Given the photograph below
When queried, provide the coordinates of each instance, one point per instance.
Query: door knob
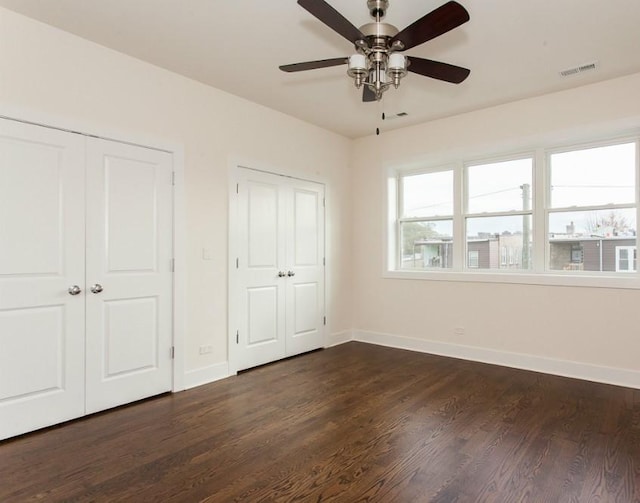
(291, 273)
(281, 274)
(74, 290)
(97, 288)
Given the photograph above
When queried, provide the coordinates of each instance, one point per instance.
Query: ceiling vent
(587, 67)
(396, 116)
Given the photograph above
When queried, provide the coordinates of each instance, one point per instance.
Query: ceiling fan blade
(332, 18)
(312, 65)
(438, 70)
(367, 94)
(439, 21)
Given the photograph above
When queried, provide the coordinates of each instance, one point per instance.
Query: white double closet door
(277, 304)
(85, 275)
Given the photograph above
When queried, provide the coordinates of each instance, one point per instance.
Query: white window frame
(401, 219)
(467, 215)
(570, 209)
(539, 274)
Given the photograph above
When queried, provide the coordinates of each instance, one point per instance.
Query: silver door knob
(97, 288)
(74, 290)
(291, 273)
(281, 274)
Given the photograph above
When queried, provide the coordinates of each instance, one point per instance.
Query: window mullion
(459, 194)
(540, 220)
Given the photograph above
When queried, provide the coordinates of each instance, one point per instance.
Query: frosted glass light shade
(357, 62)
(397, 62)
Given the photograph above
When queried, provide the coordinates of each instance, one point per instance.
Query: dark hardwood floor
(354, 423)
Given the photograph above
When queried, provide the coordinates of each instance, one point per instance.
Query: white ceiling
(514, 48)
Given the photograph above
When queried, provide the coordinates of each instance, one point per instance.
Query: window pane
(587, 240)
(500, 186)
(427, 245)
(500, 242)
(595, 176)
(427, 194)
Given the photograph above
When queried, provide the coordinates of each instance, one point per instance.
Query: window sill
(630, 282)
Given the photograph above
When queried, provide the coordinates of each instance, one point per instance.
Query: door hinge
(324, 261)
(324, 202)
(237, 188)
(172, 265)
(173, 178)
(324, 320)
(172, 352)
(237, 263)
(237, 336)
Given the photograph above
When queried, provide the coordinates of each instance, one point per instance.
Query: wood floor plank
(354, 423)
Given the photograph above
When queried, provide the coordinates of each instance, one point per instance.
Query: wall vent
(579, 69)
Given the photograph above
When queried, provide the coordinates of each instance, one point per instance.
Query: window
(426, 220)
(592, 207)
(626, 258)
(545, 214)
(474, 259)
(499, 215)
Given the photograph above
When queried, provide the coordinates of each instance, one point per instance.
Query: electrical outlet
(458, 331)
(205, 350)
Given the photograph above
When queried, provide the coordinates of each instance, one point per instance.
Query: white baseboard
(339, 338)
(565, 368)
(205, 375)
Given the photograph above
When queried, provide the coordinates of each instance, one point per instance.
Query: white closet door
(261, 263)
(279, 296)
(305, 267)
(41, 257)
(129, 278)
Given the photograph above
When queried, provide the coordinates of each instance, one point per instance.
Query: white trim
(565, 368)
(180, 271)
(21, 114)
(339, 338)
(584, 280)
(206, 375)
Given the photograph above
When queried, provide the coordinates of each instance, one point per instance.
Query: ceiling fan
(377, 63)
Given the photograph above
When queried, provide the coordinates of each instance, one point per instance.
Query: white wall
(593, 327)
(45, 72)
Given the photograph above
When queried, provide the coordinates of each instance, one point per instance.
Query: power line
(470, 197)
(593, 186)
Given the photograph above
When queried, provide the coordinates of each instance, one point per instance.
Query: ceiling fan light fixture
(396, 68)
(358, 69)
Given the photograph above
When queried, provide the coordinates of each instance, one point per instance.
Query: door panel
(261, 329)
(41, 256)
(131, 227)
(306, 232)
(305, 307)
(305, 289)
(36, 335)
(262, 310)
(129, 243)
(131, 336)
(262, 220)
